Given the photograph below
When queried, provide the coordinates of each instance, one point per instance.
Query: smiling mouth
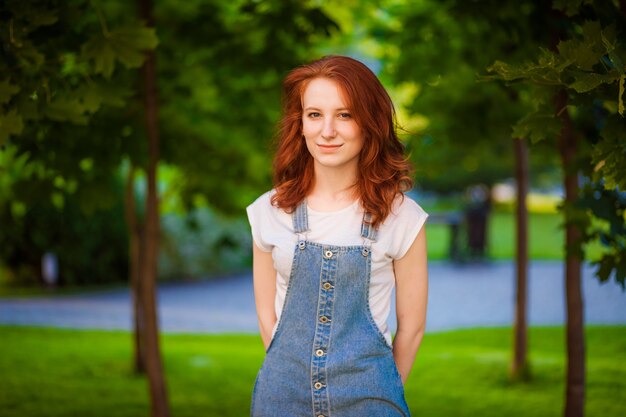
(329, 146)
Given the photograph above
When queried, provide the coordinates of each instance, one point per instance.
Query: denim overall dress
(327, 357)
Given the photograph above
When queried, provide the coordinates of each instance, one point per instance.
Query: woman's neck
(333, 189)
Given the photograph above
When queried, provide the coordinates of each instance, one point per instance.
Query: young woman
(331, 241)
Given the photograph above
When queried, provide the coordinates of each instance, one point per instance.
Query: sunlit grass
(545, 238)
(49, 372)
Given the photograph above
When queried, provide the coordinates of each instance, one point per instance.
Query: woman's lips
(329, 148)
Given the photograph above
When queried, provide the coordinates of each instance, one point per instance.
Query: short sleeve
(258, 211)
(405, 222)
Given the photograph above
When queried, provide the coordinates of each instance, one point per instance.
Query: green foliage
(91, 248)
(59, 109)
(609, 208)
(588, 64)
(125, 44)
(220, 70)
(63, 115)
(70, 111)
(63, 195)
(10, 124)
(63, 62)
(578, 65)
(201, 243)
(7, 91)
(609, 154)
(537, 125)
(440, 48)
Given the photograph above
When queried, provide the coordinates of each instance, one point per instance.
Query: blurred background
(134, 134)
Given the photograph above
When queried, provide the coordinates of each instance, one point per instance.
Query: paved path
(459, 296)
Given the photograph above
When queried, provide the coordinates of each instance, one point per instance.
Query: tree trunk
(135, 257)
(575, 383)
(158, 392)
(520, 369)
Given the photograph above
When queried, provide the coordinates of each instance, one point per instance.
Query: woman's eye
(314, 114)
(345, 115)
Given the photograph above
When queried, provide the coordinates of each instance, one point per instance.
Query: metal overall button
(327, 286)
(365, 252)
(318, 385)
(324, 319)
(301, 245)
(319, 353)
(328, 254)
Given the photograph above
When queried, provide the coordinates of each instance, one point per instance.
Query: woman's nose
(328, 130)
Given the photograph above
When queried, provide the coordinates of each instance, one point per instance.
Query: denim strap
(367, 230)
(300, 219)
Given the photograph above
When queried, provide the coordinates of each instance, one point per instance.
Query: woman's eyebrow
(316, 108)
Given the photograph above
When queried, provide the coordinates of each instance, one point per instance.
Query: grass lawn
(54, 372)
(545, 238)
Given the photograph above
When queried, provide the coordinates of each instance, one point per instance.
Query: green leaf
(98, 49)
(10, 124)
(72, 65)
(587, 51)
(547, 70)
(130, 44)
(605, 267)
(7, 90)
(537, 126)
(126, 44)
(94, 94)
(91, 98)
(587, 81)
(507, 72)
(67, 109)
(609, 154)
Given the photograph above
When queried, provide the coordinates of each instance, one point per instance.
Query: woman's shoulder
(264, 208)
(263, 202)
(406, 207)
(267, 221)
(401, 227)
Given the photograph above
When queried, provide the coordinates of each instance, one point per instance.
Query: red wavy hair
(384, 172)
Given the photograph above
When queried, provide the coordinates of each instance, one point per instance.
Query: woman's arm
(264, 276)
(411, 298)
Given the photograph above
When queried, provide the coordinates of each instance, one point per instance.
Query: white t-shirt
(272, 231)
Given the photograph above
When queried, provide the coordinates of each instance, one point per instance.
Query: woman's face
(332, 136)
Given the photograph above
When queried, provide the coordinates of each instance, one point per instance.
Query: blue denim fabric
(328, 357)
